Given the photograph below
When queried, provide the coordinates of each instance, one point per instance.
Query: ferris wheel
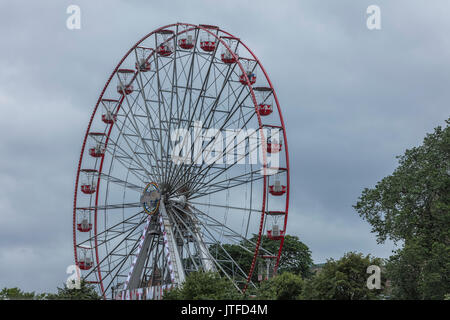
(184, 160)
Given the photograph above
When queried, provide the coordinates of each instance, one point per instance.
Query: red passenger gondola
(229, 55)
(97, 149)
(88, 184)
(187, 40)
(85, 258)
(109, 105)
(264, 100)
(126, 76)
(143, 59)
(165, 42)
(277, 189)
(207, 41)
(275, 233)
(83, 220)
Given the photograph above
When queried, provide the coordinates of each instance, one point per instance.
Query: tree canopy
(344, 279)
(295, 257)
(85, 292)
(204, 286)
(17, 294)
(285, 286)
(412, 206)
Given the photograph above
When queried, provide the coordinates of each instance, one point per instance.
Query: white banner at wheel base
(149, 293)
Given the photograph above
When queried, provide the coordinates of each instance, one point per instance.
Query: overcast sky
(352, 100)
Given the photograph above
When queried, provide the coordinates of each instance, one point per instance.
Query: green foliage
(204, 286)
(344, 279)
(413, 206)
(86, 292)
(295, 257)
(237, 252)
(286, 286)
(17, 294)
(418, 272)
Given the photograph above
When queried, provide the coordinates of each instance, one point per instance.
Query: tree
(86, 292)
(204, 286)
(17, 294)
(344, 279)
(285, 286)
(412, 206)
(295, 257)
(243, 257)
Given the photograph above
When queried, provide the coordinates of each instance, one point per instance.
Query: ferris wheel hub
(182, 200)
(150, 198)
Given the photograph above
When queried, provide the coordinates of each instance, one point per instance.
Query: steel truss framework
(166, 81)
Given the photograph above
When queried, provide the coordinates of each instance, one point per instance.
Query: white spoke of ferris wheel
(187, 88)
(174, 86)
(192, 169)
(121, 182)
(145, 146)
(173, 170)
(199, 184)
(206, 258)
(120, 266)
(200, 95)
(170, 242)
(155, 256)
(238, 104)
(211, 184)
(136, 158)
(159, 128)
(115, 206)
(207, 233)
(131, 230)
(223, 206)
(149, 118)
(223, 86)
(160, 105)
(123, 258)
(120, 233)
(206, 229)
(189, 77)
(212, 111)
(111, 229)
(212, 187)
(148, 151)
(235, 107)
(226, 83)
(225, 151)
(179, 220)
(174, 215)
(233, 234)
(125, 155)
